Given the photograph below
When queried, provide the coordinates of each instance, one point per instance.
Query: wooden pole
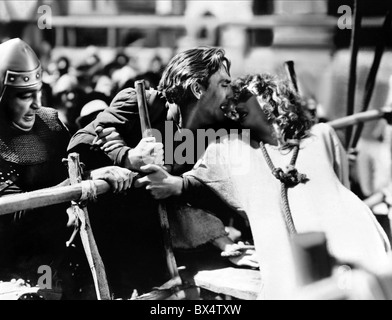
(292, 75)
(162, 209)
(86, 234)
(371, 81)
(358, 118)
(353, 66)
(47, 197)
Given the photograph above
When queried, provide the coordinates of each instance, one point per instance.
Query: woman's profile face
(21, 107)
(251, 114)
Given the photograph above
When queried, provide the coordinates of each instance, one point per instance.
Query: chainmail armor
(34, 147)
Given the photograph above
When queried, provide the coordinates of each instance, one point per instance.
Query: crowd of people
(69, 85)
(280, 173)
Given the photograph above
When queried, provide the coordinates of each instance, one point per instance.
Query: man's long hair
(189, 67)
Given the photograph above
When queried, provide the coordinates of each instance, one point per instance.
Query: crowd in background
(79, 92)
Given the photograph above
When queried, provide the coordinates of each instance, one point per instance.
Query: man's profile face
(218, 94)
(21, 107)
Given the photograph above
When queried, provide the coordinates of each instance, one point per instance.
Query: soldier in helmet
(33, 142)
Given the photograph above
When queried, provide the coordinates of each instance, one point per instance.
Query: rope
(289, 179)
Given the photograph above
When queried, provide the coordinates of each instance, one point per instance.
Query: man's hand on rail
(119, 179)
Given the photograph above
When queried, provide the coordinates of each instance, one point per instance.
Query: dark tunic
(30, 161)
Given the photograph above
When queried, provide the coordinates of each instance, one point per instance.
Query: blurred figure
(154, 75)
(120, 61)
(69, 100)
(63, 64)
(65, 83)
(106, 86)
(89, 112)
(122, 76)
(88, 69)
(374, 166)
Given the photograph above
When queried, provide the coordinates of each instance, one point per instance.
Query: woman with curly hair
(289, 177)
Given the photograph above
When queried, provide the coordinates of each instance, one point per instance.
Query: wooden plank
(358, 118)
(46, 197)
(243, 284)
(151, 21)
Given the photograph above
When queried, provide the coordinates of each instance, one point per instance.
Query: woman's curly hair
(280, 103)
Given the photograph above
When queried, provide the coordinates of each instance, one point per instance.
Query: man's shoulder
(127, 98)
(47, 112)
(50, 117)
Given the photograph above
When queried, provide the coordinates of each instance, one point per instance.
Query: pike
(372, 78)
(292, 75)
(355, 39)
(162, 210)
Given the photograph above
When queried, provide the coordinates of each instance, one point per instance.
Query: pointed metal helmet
(19, 66)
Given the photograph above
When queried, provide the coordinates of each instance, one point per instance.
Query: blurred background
(97, 47)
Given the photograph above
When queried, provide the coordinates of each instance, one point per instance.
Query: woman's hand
(119, 179)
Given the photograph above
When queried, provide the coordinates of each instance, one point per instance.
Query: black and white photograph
(211, 153)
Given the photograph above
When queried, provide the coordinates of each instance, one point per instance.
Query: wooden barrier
(47, 197)
(362, 117)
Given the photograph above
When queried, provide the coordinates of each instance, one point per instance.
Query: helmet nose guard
(19, 66)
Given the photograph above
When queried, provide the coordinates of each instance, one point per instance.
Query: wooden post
(147, 132)
(372, 79)
(86, 234)
(353, 66)
(292, 75)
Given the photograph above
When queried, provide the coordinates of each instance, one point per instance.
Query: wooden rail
(47, 197)
(361, 118)
(153, 22)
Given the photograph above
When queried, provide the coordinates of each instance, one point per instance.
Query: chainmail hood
(34, 147)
